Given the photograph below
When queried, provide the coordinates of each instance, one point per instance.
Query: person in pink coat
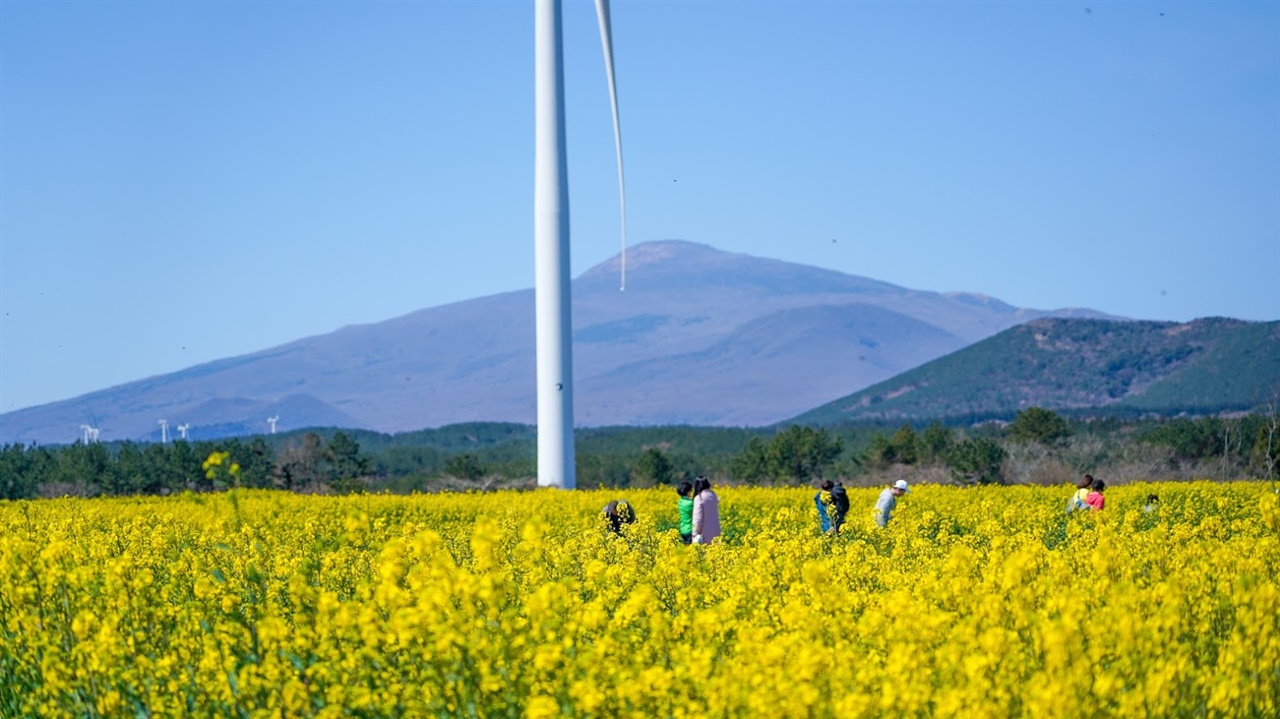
(706, 512)
(1096, 500)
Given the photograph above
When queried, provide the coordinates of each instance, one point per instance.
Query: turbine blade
(606, 41)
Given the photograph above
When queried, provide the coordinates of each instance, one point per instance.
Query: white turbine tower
(86, 430)
(164, 431)
(551, 239)
(272, 421)
(93, 433)
(182, 430)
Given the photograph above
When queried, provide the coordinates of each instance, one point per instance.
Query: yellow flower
(979, 602)
(541, 707)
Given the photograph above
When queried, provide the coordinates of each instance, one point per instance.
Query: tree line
(1038, 445)
(309, 464)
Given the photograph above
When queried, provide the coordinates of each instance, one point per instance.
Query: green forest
(1038, 446)
(1085, 368)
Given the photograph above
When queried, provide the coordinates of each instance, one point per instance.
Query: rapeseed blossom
(974, 602)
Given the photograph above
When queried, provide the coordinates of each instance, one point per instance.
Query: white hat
(901, 484)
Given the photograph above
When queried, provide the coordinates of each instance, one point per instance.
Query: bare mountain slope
(699, 336)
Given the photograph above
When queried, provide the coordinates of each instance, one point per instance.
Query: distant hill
(700, 336)
(1127, 367)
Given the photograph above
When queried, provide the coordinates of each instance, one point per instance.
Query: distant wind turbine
(164, 431)
(551, 239)
(86, 430)
(272, 421)
(182, 430)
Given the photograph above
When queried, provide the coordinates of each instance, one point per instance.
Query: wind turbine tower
(86, 430)
(164, 431)
(272, 421)
(182, 430)
(551, 240)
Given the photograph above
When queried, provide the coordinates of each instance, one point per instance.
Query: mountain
(1204, 366)
(699, 336)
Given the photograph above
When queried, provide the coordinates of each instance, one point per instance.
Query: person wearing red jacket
(1095, 500)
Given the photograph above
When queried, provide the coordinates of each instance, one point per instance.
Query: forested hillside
(1093, 367)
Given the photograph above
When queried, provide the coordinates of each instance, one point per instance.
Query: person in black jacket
(833, 506)
(839, 506)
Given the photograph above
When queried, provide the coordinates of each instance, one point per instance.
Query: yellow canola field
(983, 602)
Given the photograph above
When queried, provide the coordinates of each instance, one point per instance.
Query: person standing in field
(888, 502)
(839, 508)
(1095, 500)
(684, 507)
(706, 512)
(1083, 487)
(823, 500)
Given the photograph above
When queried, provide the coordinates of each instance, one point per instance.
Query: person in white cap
(889, 501)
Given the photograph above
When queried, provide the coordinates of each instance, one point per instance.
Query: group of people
(832, 502)
(1088, 495)
(698, 507)
(833, 506)
(699, 510)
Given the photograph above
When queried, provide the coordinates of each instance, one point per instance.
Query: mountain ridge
(473, 360)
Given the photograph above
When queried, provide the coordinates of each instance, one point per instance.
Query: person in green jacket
(685, 507)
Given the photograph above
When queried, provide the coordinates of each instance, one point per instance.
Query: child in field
(684, 506)
(1095, 500)
(1153, 503)
(1083, 487)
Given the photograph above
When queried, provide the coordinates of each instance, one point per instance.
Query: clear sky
(185, 181)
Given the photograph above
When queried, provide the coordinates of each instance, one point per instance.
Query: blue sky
(184, 181)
